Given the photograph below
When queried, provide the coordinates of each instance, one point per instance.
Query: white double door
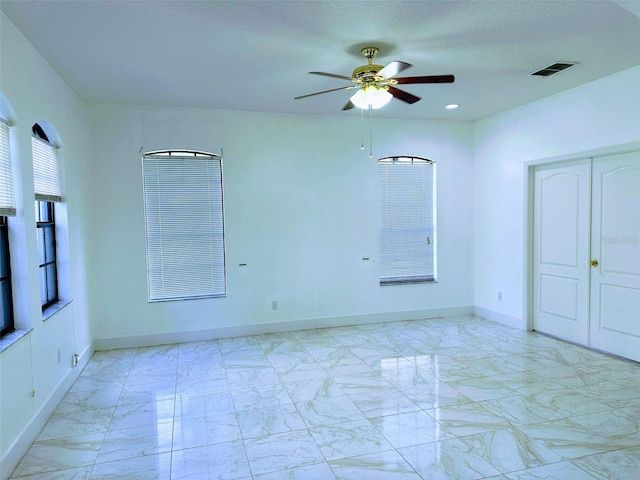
(586, 252)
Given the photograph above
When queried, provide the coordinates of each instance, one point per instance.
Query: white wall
(599, 116)
(300, 211)
(32, 92)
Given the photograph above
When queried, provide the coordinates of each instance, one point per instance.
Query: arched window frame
(184, 225)
(46, 174)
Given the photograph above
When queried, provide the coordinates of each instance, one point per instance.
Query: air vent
(552, 69)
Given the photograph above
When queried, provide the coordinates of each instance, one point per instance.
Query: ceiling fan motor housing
(366, 74)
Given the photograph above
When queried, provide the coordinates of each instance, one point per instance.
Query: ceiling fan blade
(326, 91)
(333, 75)
(402, 95)
(348, 106)
(393, 69)
(426, 79)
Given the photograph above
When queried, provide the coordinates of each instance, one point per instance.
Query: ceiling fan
(375, 83)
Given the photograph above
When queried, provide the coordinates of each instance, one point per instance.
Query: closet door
(615, 246)
(561, 250)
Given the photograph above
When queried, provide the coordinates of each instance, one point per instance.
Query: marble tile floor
(455, 398)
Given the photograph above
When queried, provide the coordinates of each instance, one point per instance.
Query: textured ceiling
(255, 56)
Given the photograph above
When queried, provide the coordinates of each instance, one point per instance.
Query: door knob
(594, 263)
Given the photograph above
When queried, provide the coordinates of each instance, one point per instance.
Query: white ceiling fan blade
(393, 69)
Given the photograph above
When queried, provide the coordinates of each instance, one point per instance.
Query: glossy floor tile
(438, 399)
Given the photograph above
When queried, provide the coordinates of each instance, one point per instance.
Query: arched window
(46, 179)
(184, 225)
(46, 171)
(407, 217)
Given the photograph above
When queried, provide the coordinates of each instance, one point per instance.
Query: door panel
(619, 307)
(615, 243)
(561, 250)
(558, 296)
(559, 221)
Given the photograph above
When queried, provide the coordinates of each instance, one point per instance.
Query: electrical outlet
(499, 296)
(274, 305)
(59, 355)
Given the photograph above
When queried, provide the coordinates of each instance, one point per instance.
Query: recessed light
(451, 106)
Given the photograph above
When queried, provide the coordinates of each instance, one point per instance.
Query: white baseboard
(273, 327)
(20, 446)
(502, 318)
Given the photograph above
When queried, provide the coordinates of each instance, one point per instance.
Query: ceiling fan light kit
(371, 96)
(376, 84)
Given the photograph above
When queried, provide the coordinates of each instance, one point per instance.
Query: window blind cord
(33, 385)
(73, 336)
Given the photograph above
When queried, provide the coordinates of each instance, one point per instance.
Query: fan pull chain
(370, 132)
(361, 129)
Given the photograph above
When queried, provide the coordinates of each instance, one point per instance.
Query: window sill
(406, 281)
(10, 338)
(51, 310)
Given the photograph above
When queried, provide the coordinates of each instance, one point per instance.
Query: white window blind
(184, 225)
(46, 173)
(7, 198)
(406, 220)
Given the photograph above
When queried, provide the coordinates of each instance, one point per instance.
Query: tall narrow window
(407, 220)
(184, 225)
(7, 208)
(6, 309)
(45, 222)
(46, 180)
